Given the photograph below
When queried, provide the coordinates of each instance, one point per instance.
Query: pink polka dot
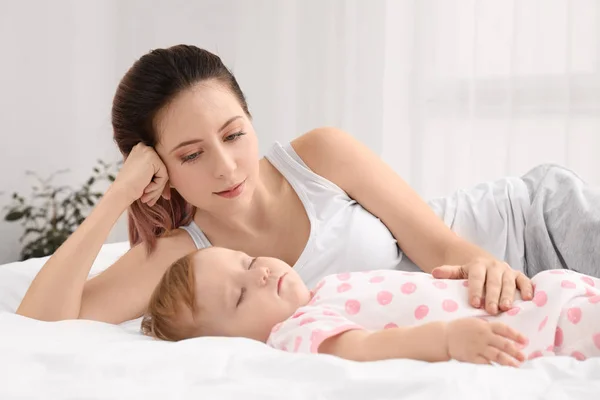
(344, 276)
(594, 299)
(465, 283)
(588, 280)
(543, 323)
(352, 307)
(589, 292)
(574, 315)
(540, 298)
(596, 340)
(284, 347)
(384, 297)
(557, 271)
(449, 305)
(316, 337)
(306, 321)
(535, 354)
(297, 343)
(316, 334)
(578, 355)
(344, 287)
(376, 279)
(558, 337)
(568, 284)
(408, 288)
(421, 311)
(514, 311)
(276, 328)
(390, 325)
(313, 300)
(440, 285)
(329, 313)
(298, 314)
(550, 348)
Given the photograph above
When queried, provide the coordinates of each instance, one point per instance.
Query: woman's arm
(56, 291)
(421, 234)
(466, 339)
(423, 237)
(61, 291)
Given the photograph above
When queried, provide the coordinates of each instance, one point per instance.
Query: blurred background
(448, 92)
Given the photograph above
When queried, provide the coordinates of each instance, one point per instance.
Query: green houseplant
(52, 213)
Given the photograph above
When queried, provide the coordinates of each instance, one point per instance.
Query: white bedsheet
(92, 360)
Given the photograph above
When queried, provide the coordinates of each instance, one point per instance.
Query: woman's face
(209, 147)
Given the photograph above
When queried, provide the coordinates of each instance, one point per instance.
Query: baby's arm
(467, 339)
(315, 329)
(425, 342)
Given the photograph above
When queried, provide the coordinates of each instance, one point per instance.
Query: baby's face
(242, 296)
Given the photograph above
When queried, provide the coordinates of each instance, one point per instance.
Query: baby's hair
(174, 296)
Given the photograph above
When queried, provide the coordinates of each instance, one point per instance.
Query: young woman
(323, 203)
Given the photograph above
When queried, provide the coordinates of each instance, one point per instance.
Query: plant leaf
(14, 215)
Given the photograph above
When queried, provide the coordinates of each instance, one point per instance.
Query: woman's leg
(562, 228)
(549, 218)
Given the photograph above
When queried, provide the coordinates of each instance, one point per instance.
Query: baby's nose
(263, 275)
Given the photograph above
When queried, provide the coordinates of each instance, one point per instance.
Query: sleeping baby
(373, 315)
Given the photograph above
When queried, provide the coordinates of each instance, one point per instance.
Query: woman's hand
(480, 342)
(491, 282)
(143, 176)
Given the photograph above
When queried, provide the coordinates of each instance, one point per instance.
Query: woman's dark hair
(151, 84)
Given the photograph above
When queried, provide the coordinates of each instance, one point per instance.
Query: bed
(92, 360)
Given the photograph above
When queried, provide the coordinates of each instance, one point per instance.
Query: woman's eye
(234, 136)
(191, 157)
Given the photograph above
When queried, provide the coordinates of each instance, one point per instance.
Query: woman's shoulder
(321, 144)
(176, 240)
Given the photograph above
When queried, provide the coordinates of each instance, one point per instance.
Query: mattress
(93, 360)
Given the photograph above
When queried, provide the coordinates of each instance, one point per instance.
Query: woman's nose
(224, 164)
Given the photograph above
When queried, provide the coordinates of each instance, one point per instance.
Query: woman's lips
(233, 191)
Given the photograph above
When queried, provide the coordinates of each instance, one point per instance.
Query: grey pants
(546, 219)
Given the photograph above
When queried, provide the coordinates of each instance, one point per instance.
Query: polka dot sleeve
(308, 328)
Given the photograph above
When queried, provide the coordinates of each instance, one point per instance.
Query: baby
(371, 315)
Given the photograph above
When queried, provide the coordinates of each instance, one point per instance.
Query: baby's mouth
(279, 282)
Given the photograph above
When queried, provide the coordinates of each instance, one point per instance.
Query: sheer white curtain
(449, 92)
(493, 88)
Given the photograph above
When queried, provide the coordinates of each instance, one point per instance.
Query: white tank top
(344, 237)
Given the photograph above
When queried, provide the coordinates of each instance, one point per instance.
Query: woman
(191, 179)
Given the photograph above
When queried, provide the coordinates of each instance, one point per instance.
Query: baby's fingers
(506, 331)
(494, 354)
(480, 360)
(507, 347)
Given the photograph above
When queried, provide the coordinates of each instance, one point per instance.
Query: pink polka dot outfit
(562, 319)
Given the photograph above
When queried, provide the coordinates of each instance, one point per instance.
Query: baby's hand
(480, 342)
